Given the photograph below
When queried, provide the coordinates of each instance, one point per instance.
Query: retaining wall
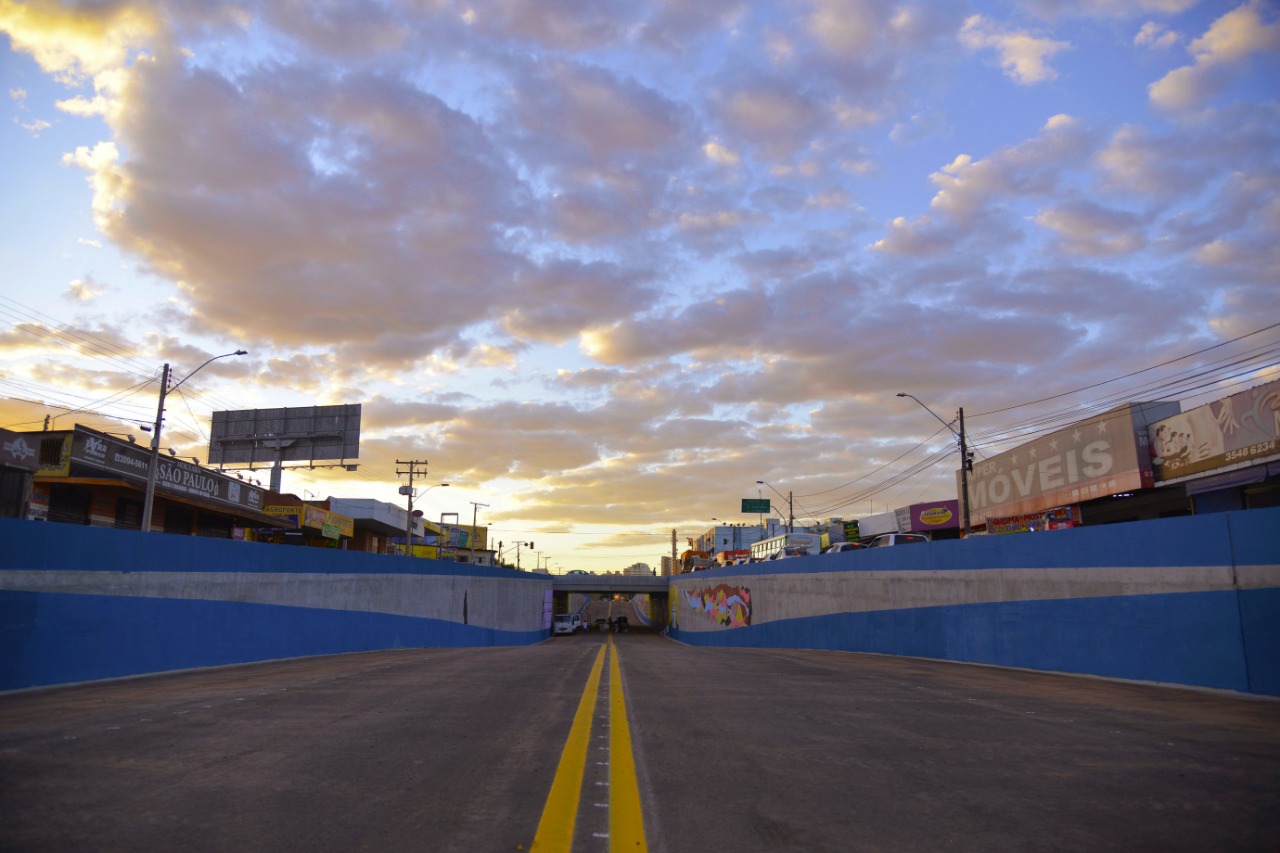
(84, 603)
(1191, 601)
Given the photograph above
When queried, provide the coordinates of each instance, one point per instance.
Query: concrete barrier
(85, 603)
(1191, 601)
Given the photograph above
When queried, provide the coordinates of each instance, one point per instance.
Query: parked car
(566, 623)
(837, 547)
(884, 540)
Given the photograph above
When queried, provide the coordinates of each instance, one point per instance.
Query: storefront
(305, 524)
(17, 470)
(1224, 454)
(938, 519)
(88, 477)
(1096, 471)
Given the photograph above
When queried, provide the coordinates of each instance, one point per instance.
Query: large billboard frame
(308, 434)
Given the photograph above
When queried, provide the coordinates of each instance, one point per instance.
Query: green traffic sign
(755, 505)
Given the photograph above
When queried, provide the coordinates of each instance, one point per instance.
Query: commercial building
(84, 476)
(1224, 455)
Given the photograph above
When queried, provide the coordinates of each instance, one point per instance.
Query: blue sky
(607, 265)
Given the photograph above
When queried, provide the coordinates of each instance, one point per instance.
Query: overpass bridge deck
(609, 584)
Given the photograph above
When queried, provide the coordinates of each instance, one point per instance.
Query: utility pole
(674, 571)
(791, 514)
(966, 465)
(474, 507)
(148, 500)
(408, 491)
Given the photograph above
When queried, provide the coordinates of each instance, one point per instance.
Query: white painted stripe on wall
(794, 596)
(491, 602)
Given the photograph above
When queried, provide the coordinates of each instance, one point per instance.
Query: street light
(520, 545)
(408, 525)
(966, 458)
(148, 502)
(791, 513)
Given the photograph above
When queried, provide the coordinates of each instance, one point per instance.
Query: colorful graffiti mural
(725, 605)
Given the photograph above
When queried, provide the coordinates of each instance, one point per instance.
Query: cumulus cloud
(77, 42)
(1229, 41)
(1156, 35)
(843, 27)
(1089, 229)
(1023, 56)
(775, 118)
(84, 289)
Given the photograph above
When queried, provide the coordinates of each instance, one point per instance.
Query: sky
(606, 265)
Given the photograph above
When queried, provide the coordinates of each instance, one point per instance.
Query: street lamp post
(520, 545)
(474, 508)
(408, 527)
(791, 513)
(148, 502)
(966, 462)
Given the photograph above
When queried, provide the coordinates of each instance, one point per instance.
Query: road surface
(730, 749)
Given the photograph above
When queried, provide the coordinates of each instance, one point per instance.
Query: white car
(566, 623)
(837, 547)
(884, 540)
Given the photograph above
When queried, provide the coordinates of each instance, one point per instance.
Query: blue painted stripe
(53, 638)
(50, 546)
(1183, 638)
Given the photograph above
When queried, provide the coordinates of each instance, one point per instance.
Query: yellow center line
(555, 828)
(626, 821)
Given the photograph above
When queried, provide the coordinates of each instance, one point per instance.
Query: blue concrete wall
(82, 603)
(1191, 601)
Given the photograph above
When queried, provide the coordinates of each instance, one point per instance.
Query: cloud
(1156, 35)
(85, 289)
(81, 41)
(1091, 230)
(1107, 9)
(1023, 56)
(1229, 41)
(843, 27)
(772, 117)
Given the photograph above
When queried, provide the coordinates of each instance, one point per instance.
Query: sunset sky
(607, 264)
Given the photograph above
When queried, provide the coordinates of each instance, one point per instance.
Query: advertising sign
(296, 434)
(936, 515)
(1058, 518)
(18, 450)
(1104, 455)
(173, 476)
(1244, 427)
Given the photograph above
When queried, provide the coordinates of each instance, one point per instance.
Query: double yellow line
(626, 822)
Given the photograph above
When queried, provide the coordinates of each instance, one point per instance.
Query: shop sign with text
(1104, 455)
(1242, 428)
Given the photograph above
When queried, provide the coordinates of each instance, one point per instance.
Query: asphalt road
(734, 750)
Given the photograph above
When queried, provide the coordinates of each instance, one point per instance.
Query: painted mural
(729, 606)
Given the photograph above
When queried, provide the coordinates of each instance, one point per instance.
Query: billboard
(1242, 428)
(1103, 455)
(299, 434)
